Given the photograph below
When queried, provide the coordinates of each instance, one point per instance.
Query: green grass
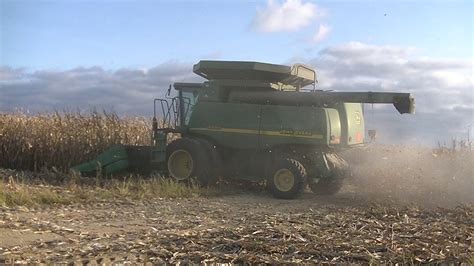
(15, 192)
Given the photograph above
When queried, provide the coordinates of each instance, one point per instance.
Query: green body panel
(116, 167)
(119, 158)
(112, 160)
(158, 153)
(297, 75)
(281, 125)
(232, 125)
(353, 125)
(403, 102)
(333, 131)
(253, 126)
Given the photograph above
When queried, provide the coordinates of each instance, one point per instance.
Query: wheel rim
(180, 164)
(284, 180)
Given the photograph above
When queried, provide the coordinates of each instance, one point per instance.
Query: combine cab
(253, 121)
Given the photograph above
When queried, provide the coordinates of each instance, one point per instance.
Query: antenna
(469, 132)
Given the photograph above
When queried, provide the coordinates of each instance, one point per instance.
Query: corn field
(64, 139)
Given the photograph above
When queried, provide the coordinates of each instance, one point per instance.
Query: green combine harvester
(253, 121)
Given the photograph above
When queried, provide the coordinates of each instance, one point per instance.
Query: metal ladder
(170, 111)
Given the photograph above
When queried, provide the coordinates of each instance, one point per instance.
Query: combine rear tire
(187, 159)
(326, 186)
(286, 178)
(332, 183)
(213, 162)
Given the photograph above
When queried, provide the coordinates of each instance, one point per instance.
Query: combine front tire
(186, 159)
(286, 178)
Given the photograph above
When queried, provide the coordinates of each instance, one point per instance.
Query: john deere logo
(357, 118)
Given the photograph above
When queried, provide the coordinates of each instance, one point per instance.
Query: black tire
(214, 164)
(326, 186)
(286, 169)
(186, 159)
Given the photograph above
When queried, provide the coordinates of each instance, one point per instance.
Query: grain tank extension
(254, 121)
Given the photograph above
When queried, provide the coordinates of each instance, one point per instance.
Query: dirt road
(242, 227)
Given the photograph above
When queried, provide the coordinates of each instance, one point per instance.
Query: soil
(400, 206)
(242, 227)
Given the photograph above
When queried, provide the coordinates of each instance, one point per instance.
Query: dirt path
(245, 227)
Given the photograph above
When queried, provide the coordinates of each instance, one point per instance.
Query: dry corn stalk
(64, 139)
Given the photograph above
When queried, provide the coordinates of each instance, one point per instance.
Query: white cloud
(443, 88)
(356, 51)
(290, 15)
(452, 79)
(214, 55)
(322, 33)
(127, 91)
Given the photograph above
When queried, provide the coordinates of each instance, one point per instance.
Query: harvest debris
(237, 228)
(386, 213)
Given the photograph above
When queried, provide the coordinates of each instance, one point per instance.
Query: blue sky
(121, 54)
(115, 34)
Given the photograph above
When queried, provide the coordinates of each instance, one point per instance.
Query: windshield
(188, 101)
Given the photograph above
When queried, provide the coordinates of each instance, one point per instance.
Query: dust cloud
(411, 175)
